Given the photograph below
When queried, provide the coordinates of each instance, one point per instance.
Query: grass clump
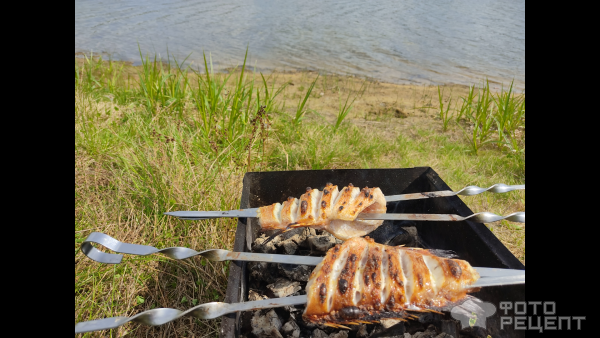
(488, 118)
(162, 137)
(300, 108)
(444, 114)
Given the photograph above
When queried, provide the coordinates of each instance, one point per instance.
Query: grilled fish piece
(361, 280)
(331, 210)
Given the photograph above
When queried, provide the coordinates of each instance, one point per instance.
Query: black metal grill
(473, 242)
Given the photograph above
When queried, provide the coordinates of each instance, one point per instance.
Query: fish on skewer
(218, 255)
(361, 280)
(331, 210)
(347, 213)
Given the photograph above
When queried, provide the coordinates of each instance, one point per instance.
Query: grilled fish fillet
(365, 281)
(331, 210)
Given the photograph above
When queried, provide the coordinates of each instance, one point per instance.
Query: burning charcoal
(263, 271)
(392, 327)
(267, 325)
(291, 329)
(362, 331)
(319, 334)
(450, 327)
(429, 317)
(308, 233)
(291, 311)
(283, 288)
(431, 332)
(296, 272)
(444, 335)
(393, 234)
(376, 331)
(475, 332)
(267, 248)
(253, 295)
(289, 246)
(320, 244)
(297, 235)
(307, 326)
(341, 334)
(283, 314)
(414, 326)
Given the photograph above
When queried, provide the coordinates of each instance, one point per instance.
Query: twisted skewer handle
(488, 217)
(180, 253)
(203, 311)
(133, 249)
(480, 217)
(466, 191)
(496, 188)
(216, 309)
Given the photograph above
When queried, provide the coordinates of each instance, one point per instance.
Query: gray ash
(272, 280)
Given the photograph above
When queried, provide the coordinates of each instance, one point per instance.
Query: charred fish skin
(329, 196)
(309, 203)
(270, 216)
(289, 212)
(361, 280)
(332, 210)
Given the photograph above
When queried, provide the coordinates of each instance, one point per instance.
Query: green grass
(445, 116)
(160, 137)
(300, 111)
(344, 110)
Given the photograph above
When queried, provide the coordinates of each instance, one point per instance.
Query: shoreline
(380, 100)
(495, 85)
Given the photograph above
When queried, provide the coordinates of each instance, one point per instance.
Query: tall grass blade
(300, 109)
(345, 110)
(444, 115)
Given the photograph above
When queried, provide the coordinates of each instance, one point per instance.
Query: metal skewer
(221, 255)
(480, 217)
(203, 311)
(216, 309)
(179, 252)
(489, 277)
(466, 191)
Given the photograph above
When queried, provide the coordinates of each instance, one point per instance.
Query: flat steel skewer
(218, 255)
(466, 191)
(489, 277)
(216, 309)
(480, 217)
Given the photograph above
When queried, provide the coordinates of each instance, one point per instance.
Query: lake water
(425, 42)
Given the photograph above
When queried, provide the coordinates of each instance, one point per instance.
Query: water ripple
(460, 41)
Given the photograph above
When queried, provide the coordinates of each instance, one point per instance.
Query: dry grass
(108, 201)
